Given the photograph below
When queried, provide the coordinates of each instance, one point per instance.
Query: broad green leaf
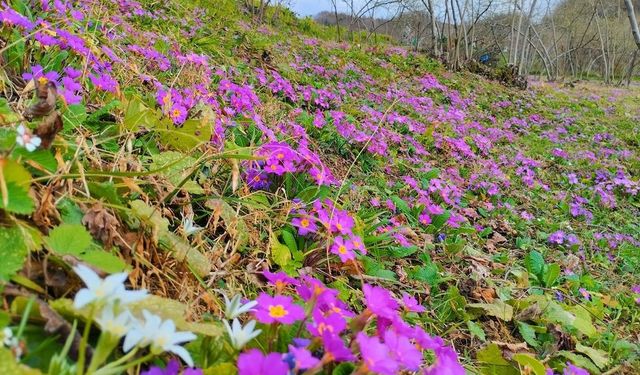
(401, 204)
(476, 330)
(18, 200)
(529, 362)
(226, 368)
(583, 321)
(280, 253)
(138, 116)
(498, 309)
(178, 167)
(551, 273)
(9, 365)
(427, 274)
(7, 115)
(534, 262)
(289, 240)
(74, 116)
(186, 137)
(374, 268)
(104, 260)
(599, 357)
(439, 220)
(69, 239)
(13, 251)
(41, 157)
(493, 363)
(345, 368)
(528, 334)
(15, 172)
(171, 309)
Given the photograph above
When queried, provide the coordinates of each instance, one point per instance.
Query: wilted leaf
(280, 253)
(599, 357)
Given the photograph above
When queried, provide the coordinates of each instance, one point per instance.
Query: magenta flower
(556, 237)
(333, 323)
(401, 348)
(280, 309)
(357, 244)
(104, 82)
(446, 363)
(380, 302)
(254, 362)
(305, 225)
(178, 114)
(341, 222)
(585, 293)
(173, 368)
(10, 17)
(424, 218)
(411, 304)
(343, 249)
(574, 370)
(375, 355)
(335, 349)
(303, 358)
(279, 279)
(37, 74)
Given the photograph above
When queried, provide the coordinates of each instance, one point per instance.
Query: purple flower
(574, 370)
(380, 302)
(305, 225)
(376, 356)
(104, 82)
(303, 358)
(343, 249)
(335, 349)
(585, 293)
(424, 218)
(279, 279)
(280, 309)
(556, 237)
(254, 362)
(446, 363)
(173, 368)
(10, 17)
(357, 244)
(178, 114)
(411, 304)
(403, 350)
(37, 74)
(341, 222)
(333, 323)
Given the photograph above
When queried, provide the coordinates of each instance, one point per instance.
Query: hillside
(370, 211)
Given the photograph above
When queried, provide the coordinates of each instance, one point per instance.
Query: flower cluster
(107, 301)
(377, 340)
(325, 222)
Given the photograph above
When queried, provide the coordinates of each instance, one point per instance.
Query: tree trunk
(632, 20)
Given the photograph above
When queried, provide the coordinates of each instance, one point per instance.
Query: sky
(313, 7)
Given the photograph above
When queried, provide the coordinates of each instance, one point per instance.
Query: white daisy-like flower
(107, 290)
(116, 325)
(234, 308)
(26, 139)
(188, 226)
(240, 336)
(160, 335)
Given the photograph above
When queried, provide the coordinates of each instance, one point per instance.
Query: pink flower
(403, 350)
(303, 358)
(335, 349)
(279, 279)
(305, 225)
(411, 304)
(376, 355)
(446, 363)
(357, 244)
(343, 249)
(280, 309)
(254, 362)
(332, 323)
(380, 301)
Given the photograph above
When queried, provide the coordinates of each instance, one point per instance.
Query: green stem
(119, 361)
(107, 370)
(82, 351)
(106, 344)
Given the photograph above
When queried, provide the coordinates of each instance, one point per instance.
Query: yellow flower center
(273, 167)
(304, 223)
(342, 249)
(256, 178)
(323, 327)
(43, 80)
(176, 112)
(277, 311)
(356, 244)
(280, 155)
(339, 226)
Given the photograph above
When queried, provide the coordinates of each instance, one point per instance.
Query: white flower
(188, 226)
(107, 290)
(234, 308)
(239, 335)
(7, 337)
(161, 336)
(26, 139)
(117, 326)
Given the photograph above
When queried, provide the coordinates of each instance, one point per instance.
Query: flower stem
(82, 351)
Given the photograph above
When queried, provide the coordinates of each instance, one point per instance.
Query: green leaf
(74, 116)
(290, 240)
(498, 309)
(104, 261)
(171, 309)
(534, 262)
(476, 330)
(44, 158)
(69, 239)
(225, 368)
(138, 116)
(374, 268)
(551, 273)
(9, 365)
(191, 134)
(13, 251)
(530, 362)
(439, 220)
(528, 334)
(280, 253)
(401, 204)
(178, 167)
(18, 200)
(402, 251)
(493, 362)
(427, 274)
(344, 368)
(599, 357)
(583, 321)
(7, 115)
